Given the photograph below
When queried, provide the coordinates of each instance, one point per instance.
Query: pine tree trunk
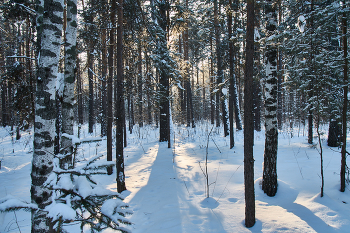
(232, 89)
(345, 104)
(211, 74)
(163, 74)
(69, 81)
(248, 121)
(104, 85)
(79, 93)
(4, 116)
(91, 87)
(312, 67)
(120, 103)
(49, 37)
(219, 95)
(257, 104)
(140, 82)
(110, 86)
(269, 184)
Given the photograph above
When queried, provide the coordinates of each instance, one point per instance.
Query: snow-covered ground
(167, 187)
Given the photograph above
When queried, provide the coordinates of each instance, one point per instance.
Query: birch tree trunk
(49, 37)
(69, 81)
(269, 184)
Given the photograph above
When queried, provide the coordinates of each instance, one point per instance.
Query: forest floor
(167, 187)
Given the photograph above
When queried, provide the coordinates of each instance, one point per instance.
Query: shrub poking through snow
(78, 198)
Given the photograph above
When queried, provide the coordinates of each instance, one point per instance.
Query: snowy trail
(158, 199)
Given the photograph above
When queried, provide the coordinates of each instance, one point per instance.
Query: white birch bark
(50, 18)
(69, 82)
(271, 135)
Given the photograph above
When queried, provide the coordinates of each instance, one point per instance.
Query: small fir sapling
(78, 198)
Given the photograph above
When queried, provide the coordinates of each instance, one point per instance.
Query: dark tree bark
(345, 104)
(140, 82)
(3, 104)
(148, 90)
(312, 69)
(120, 116)
(232, 76)
(248, 121)
(91, 87)
(211, 74)
(257, 102)
(104, 85)
(80, 94)
(219, 78)
(110, 86)
(334, 135)
(269, 182)
(163, 73)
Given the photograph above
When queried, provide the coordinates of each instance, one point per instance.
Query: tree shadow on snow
(285, 198)
(155, 205)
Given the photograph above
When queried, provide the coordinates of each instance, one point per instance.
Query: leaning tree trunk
(69, 82)
(49, 37)
(120, 103)
(269, 183)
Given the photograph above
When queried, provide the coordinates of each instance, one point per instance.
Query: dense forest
(241, 65)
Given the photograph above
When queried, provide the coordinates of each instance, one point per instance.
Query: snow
(301, 23)
(57, 210)
(167, 196)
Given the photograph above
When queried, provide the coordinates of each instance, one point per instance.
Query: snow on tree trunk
(269, 184)
(69, 82)
(162, 52)
(50, 18)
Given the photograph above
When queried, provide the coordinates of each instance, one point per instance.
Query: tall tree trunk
(232, 75)
(140, 82)
(345, 104)
(219, 94)
(79, 94)
(211, 74)
(104, 85)
(148, 89)
(163, 73)
(279, 76)
(120, 102)
(69, 82)
(248, 121)
(49, 37)
(91, 87)
(269, 183)
(110, 86)
(4, 111)
(312, 68)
